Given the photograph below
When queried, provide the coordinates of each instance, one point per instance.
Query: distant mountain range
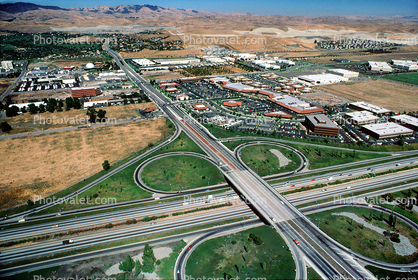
(22, 10)
(29, 17)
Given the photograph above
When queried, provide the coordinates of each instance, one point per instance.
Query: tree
(127, 265)
(23, 110)
(30, 202)
(33, 109)
(1, 106)
(148, 259)
(12, 111)
(91, 112)
(42, 108)
(76, 103)
(60, 103)
(5, 127)
(101, 115)
(138, 267)
(106, 165)
(69, 102)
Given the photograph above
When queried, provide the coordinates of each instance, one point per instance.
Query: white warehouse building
(378, 66)
(344, 73)
(322, 79)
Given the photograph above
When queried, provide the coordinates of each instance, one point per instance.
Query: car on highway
(154, 223)
(190, 247)
(313, 179)
(398, 164)
(68, 241)
(296, 242)
(348, 188)
(292, 186)
(21, 221)
(55, 226)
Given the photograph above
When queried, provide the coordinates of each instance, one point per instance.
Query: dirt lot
(57, 94)
(394, 96)
(45, 164)
(156, 53)
(358, 56)
(29, 123)
(325, 98)
(161, 75)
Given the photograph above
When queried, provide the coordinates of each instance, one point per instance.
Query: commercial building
(322, 79)
(85, 92)
(406, 120)
(182, 97)
(176, 61)
(321, 125)
(94, 104)
(232, 103)
(295, 105)
(377, 110)
(7, 64)
(200, 106)
(143, 62)
(344, 73)
(286, 62)
(245, 56)
(378, 66)
(409, 65)
(279, 114)
(25, 105)
(386, 130)
(361, 117)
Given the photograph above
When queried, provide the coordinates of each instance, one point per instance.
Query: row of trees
(51, 106)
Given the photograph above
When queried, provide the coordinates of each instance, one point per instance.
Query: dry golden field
(4, 85)
(394, 96)
(45, 164)
(29, 123)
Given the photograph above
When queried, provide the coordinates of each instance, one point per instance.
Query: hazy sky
(265, 7)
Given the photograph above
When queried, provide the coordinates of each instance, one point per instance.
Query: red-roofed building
(171, 89)
(168, 85)
(278, 114)
(200, 106)
(232, 103)
(150, 109)
(190, 79)
(85, 92)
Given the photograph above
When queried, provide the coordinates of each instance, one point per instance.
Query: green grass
(44, 273)
(400, 196)
(318, 156)
(121, 185)
(313, 275)
(181, 172)
(166, 268)
(391, 275)
(365, 241)
(408, 78)
(264, 162)
(323, 157)
(224, 254)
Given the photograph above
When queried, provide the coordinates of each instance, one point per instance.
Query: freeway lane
(52, 247)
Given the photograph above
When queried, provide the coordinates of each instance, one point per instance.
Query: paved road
(15, 82)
